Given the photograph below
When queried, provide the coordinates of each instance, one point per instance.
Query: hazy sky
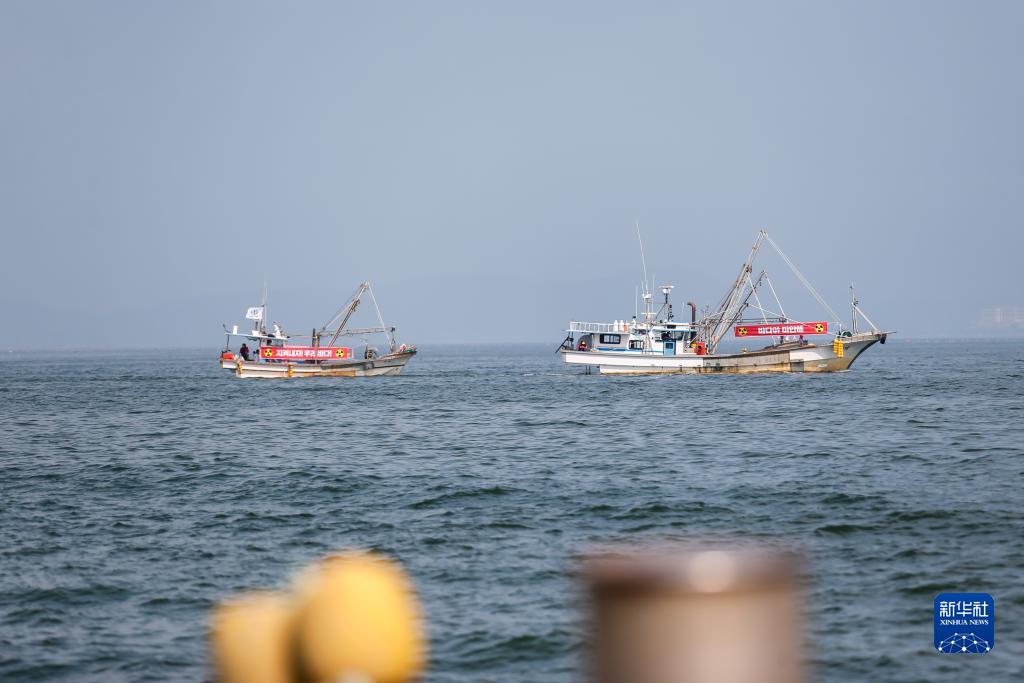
(484, 164)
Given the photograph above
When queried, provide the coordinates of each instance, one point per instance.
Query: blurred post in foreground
(688, 614)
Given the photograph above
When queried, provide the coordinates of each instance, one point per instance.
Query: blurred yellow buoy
(358, 619)
(250, 637)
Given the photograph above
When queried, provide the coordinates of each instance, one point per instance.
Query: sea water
(139, 488)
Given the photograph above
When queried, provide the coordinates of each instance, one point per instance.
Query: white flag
(255, 313)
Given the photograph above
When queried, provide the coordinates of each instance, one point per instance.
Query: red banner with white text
(780, 329)
(305, 352)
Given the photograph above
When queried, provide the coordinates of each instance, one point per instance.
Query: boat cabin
(661, 338)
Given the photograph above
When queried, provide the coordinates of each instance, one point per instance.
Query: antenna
(263, 323)
(643, 260)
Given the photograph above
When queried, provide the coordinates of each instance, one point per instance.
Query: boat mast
(858, 312)
(853, 309)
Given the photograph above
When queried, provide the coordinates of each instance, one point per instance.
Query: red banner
(305, 352)
(780, 329)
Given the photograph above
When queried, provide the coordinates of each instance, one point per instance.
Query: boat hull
(387, 365)
(787, 358)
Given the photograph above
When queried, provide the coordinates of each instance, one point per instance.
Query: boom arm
(345, 313)
(730, 308)
(731, 320)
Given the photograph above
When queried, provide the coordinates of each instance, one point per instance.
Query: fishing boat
(654, 342)
(275, 354)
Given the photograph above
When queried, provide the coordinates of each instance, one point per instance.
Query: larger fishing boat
(654, 342)
(275, 354)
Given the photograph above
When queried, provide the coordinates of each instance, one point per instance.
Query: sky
(484, 165)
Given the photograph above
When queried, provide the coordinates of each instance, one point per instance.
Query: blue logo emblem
(965, 623)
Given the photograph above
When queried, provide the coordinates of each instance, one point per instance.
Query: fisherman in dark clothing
(244, 351)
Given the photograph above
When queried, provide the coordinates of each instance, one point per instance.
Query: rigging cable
(803, 280)
(772, 287)
(380, 318)
(753, 290)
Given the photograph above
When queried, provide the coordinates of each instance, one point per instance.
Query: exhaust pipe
(693, 320)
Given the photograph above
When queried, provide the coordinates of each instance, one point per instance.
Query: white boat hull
(389, 364)
(786, 358)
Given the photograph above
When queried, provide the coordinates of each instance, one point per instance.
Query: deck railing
(575, 326)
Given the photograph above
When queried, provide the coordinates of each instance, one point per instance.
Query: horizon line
(198, 347)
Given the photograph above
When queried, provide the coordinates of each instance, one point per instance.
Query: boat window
(611, 339)
(636, 344)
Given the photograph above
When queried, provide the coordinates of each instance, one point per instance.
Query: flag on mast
(255, 313)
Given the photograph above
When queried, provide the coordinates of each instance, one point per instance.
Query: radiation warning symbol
(819, 327)
(741, 331)
(268, 353)
(340, 353)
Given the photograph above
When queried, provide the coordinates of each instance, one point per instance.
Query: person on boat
(244, 351)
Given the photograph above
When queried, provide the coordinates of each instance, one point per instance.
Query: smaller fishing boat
(274, 353)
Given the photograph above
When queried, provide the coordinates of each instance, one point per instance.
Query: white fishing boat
(275, 354)
(654, 342)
